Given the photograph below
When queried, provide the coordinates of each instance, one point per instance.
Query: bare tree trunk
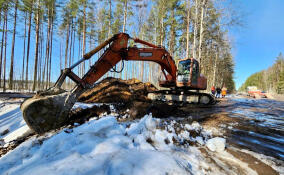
(215, 66)
(195, 29)
(45, 67)
(24, 50)
(66, 45)
(90, 47)
(36, 47)
(187, 29)
(13, 49)
(84, 36)
(124, 16)
(124, 25)
(5, 52)
(28, 48)
(71, 42)
(201, 31)
(73, 46)
(40, 56)
(162, 30)
(50, 57)
(70, 48)
(51, 44)
(79, 51)
(2, 45)
(109, 21)
(172, 35)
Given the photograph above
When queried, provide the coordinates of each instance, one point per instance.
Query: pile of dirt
(115, 90)
(129, 97)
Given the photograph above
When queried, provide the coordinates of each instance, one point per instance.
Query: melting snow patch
(22, 131)
(85, 105)
(216, 144)
(12, 124)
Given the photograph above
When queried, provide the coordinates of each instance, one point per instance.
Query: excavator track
(182, 97)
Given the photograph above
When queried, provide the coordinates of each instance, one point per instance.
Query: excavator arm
(49, 109)
(117, 51)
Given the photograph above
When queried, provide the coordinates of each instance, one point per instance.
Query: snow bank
(97, 147)
(216, 144)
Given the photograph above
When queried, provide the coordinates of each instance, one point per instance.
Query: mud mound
(115, 90)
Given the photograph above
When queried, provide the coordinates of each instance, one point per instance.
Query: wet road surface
(261, 125)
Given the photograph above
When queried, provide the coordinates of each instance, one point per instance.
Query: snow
(85, 105)
(12, 124)
(200, 140)
(194, 126)
(99, 146)
(105, 146)
(216, 144)
(24, 130)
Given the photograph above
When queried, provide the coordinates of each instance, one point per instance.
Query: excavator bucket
(48, 111)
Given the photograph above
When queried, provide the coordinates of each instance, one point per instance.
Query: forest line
(186, 28)
(270, 80)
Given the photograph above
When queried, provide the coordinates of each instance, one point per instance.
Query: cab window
(184, 67)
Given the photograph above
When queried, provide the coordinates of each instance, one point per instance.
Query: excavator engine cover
(46, 112)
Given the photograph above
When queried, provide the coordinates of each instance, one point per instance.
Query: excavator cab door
(195, 72)
(185, 76)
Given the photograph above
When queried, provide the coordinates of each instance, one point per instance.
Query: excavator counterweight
(49, 109)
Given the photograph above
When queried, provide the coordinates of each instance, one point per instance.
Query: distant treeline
(54, 34)
(271, 80)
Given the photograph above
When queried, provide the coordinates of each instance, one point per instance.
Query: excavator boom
(49, 109)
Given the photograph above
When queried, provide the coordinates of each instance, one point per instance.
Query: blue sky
(260, 41)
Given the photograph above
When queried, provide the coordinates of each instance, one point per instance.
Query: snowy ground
(106, 146)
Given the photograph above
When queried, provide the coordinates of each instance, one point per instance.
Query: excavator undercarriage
(182, 97)
(49, 109)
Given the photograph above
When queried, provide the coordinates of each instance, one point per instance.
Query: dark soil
(131, 96)
(80, 116)
(12, 145)
(113, 90)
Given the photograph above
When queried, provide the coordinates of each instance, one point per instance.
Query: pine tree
(37, 21)
(280, 84)
(11, 78)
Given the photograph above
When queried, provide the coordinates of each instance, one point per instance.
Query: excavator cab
(188, 75)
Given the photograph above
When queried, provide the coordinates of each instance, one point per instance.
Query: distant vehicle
(254, 92)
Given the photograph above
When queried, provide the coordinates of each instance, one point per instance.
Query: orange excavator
(49, 109)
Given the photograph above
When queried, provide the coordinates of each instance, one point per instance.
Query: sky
(259, 42)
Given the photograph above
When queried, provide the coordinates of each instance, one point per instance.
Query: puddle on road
(261, 128)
